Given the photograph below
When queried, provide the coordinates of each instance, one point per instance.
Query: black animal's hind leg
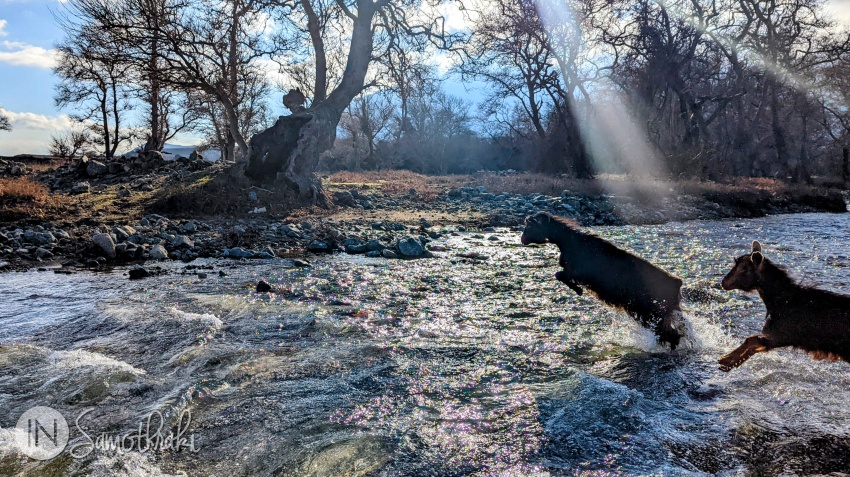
(561, 276)
(752, 345)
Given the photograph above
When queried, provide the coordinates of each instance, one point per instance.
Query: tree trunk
(289, 151)
(845, 152)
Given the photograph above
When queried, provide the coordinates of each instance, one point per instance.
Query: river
(476, 365)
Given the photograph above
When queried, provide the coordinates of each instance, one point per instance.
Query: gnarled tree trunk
(288, 152)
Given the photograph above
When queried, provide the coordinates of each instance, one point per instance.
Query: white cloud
(3, 27)
(22, 54)
(840, 10)
(31, 132)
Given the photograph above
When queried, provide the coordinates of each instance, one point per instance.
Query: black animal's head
(747, 272)
(537, 228)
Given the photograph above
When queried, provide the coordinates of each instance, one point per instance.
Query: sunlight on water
(452, 366)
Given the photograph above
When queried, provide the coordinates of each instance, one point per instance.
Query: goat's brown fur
(816, 321)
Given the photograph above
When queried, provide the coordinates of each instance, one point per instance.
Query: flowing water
(452, 366)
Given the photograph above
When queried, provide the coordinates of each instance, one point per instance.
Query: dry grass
(24, 199)
(394, 182)
(401, 182)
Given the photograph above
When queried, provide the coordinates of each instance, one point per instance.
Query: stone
(189, 227)
(252, 196)
(182, 241)
(238, 252)
(344, 199)
(81, 188)
(373, 253)
(42, 253)
(105, 243)
(39, 238)
(123, 193)
(123, 232)
(222, 273)
(202, 275)
(374, 245)
(139, 273)
(318, 246)
(387, 253)
(301, 263)
(409, 247)
(96, 168)
(263, 287)
(158, 252)
(356, 248)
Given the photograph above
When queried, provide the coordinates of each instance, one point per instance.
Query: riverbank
(91, 215)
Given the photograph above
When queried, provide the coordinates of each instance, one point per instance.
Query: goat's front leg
(752, 345)
(561, 276)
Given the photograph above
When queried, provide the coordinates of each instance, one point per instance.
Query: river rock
(387, 253)
(105, 243)
(409, 247)
(263, 287)
(344, 199)
(301, 263)
(238, 252)
(123, 232)
(158, 252)
(39, 238)
(42, 253)
(96, 168)
(374, 246)
(139, 273)
(182, 241)
(318, 246)
(81, 188)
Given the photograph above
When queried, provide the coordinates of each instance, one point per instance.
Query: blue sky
(27, 35)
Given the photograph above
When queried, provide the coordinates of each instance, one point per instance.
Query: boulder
(409, 247)
(318, 246)
(238, 252)
(123, 232)
(182, 241)
(105, 243)
(344, 199)
(96, 168)
(139, 273)
(81, 188)
(158, 252)
(39, 238)
(263, 287)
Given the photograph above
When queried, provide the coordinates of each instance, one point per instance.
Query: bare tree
(368, 117)
(69, 144)
(93, 80)
(5, 125)
(290, 150)
(193, 46)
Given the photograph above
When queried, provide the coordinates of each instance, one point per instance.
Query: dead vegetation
(401, 182)
(22, 199)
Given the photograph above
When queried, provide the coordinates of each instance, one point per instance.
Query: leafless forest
(706, 89)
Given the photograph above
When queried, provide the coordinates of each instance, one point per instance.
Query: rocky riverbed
(362, 220)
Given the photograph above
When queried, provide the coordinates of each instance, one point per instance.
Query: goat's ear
(756, 246)
(757, 258)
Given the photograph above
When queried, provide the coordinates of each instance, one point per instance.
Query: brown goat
(816, 321)
(647, 293)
